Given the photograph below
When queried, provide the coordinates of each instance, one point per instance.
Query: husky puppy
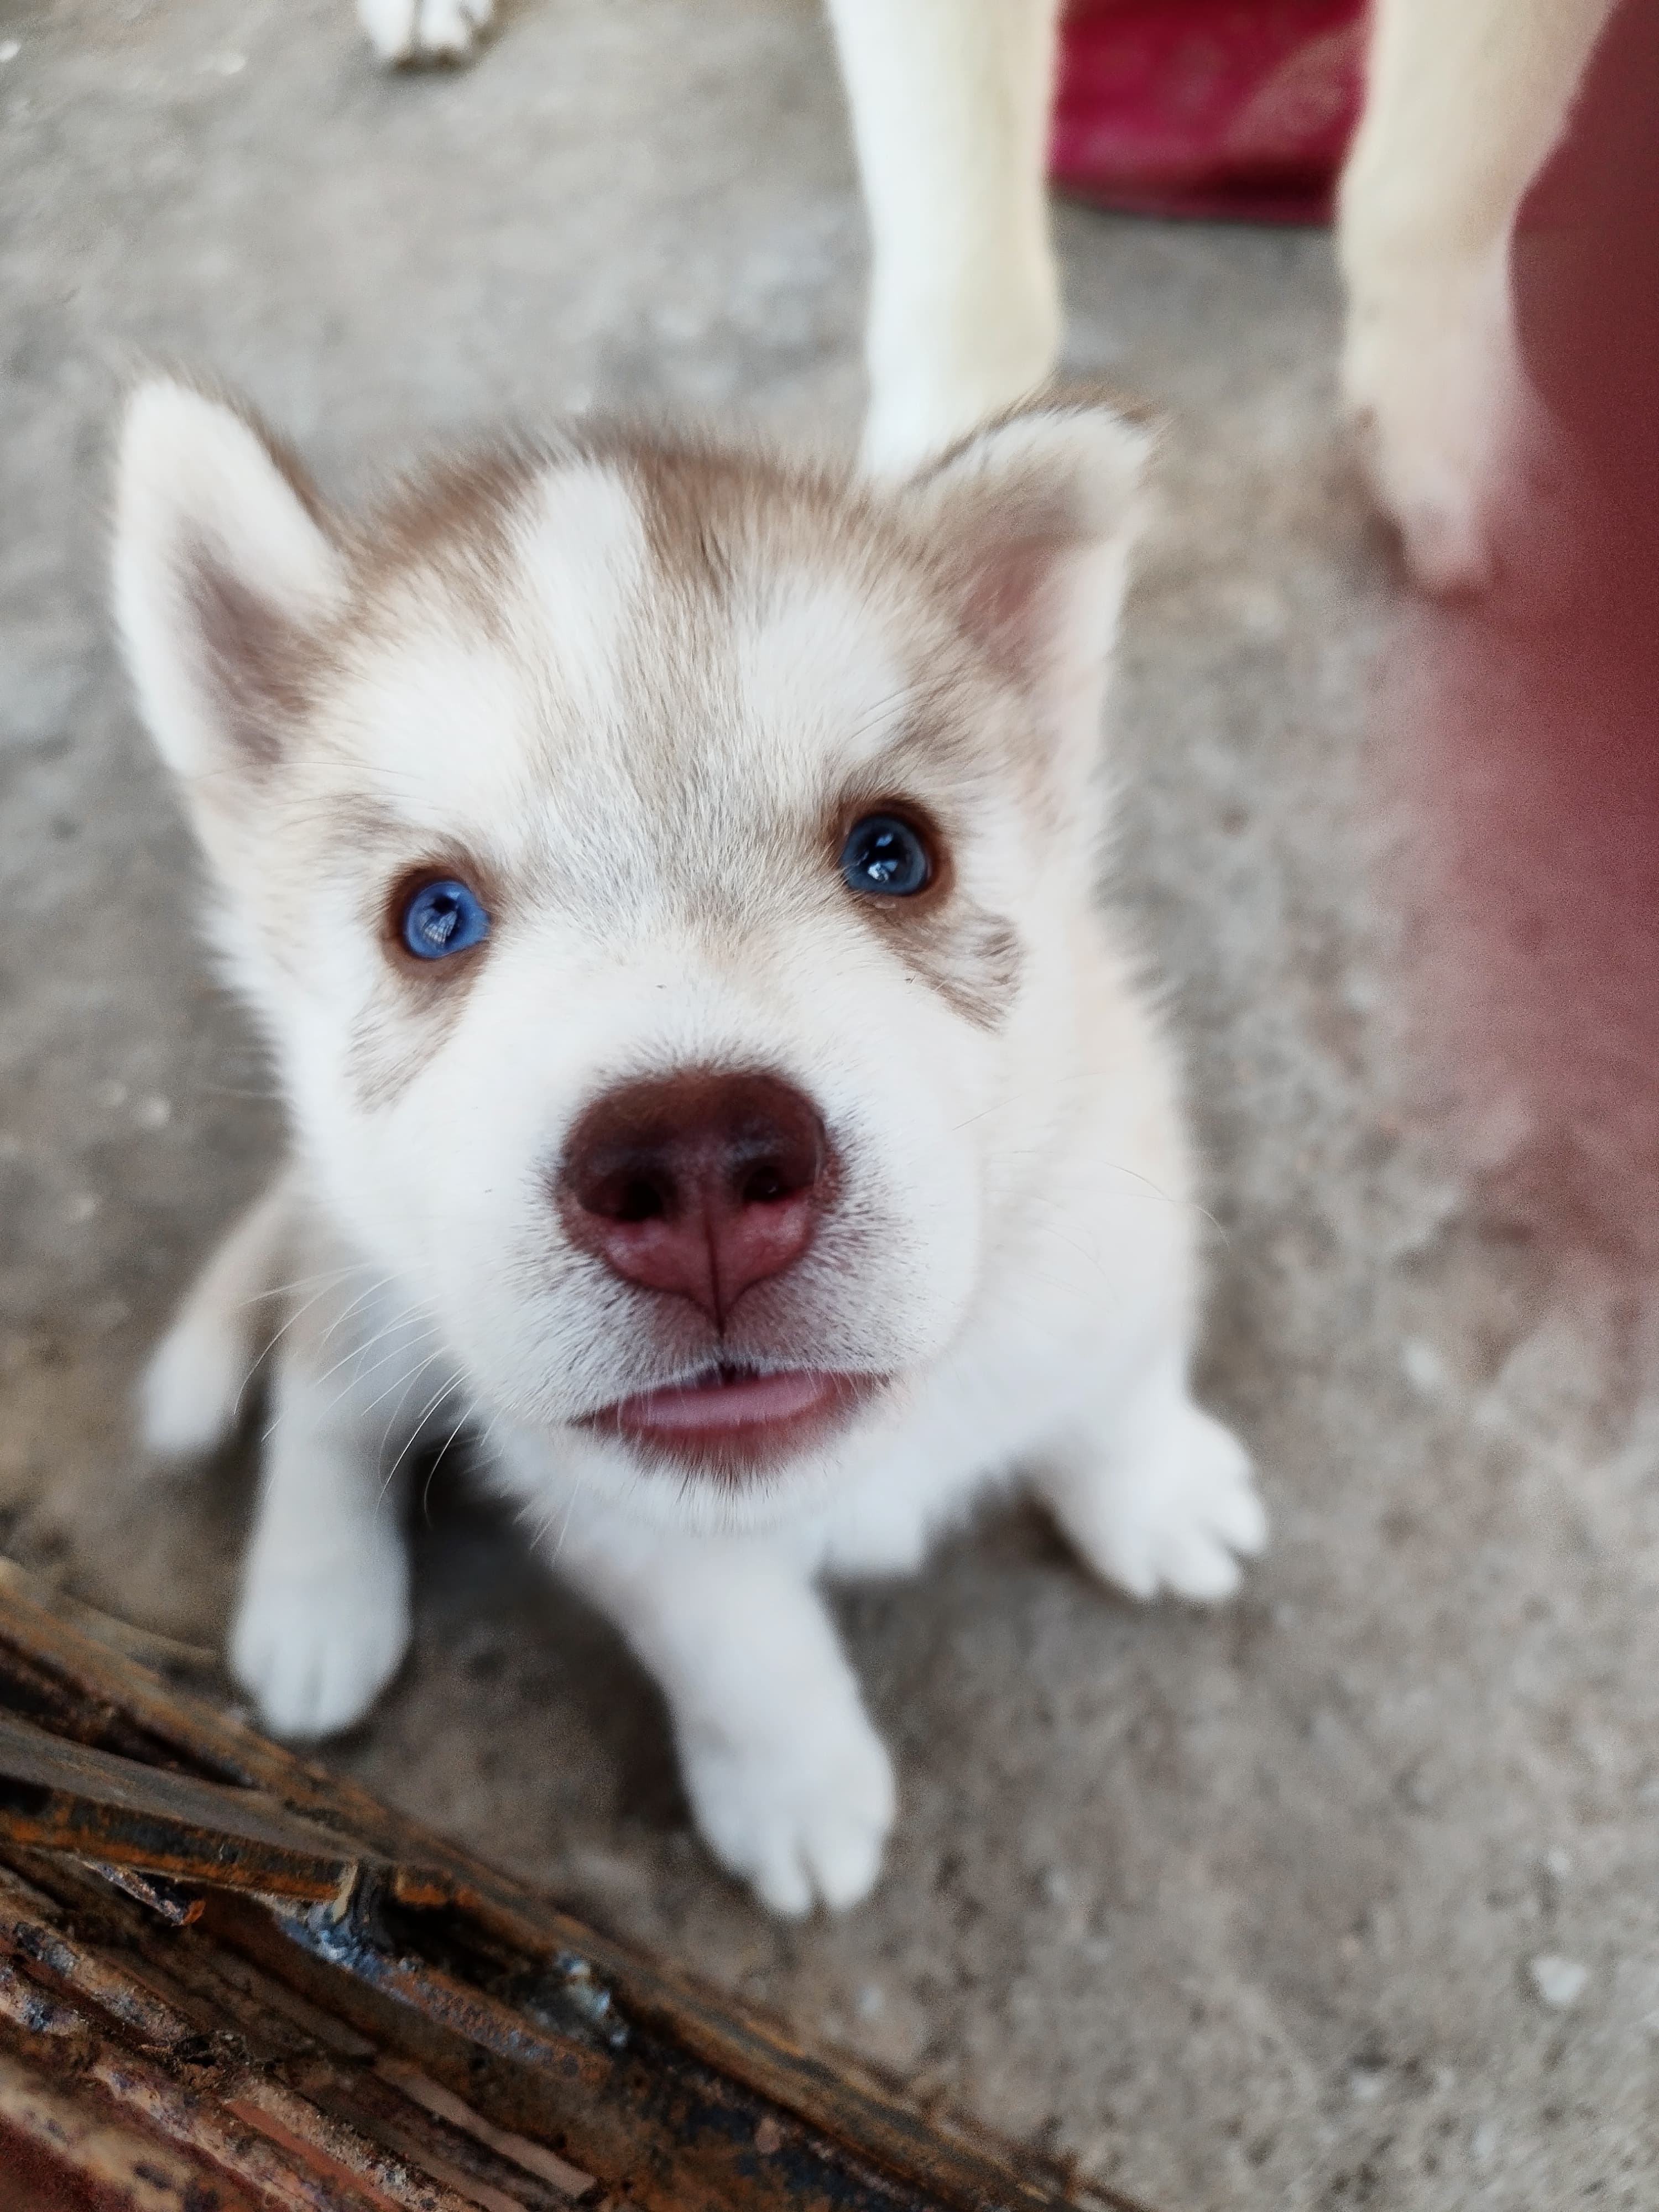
(666, 878)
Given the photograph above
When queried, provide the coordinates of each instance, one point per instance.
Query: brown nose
(698, 1183)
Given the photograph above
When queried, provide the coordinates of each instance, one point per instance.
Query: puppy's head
(659, 873)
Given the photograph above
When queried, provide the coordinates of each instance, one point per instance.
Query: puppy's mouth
(732, 1421)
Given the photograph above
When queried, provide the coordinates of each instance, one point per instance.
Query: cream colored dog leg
(322, 1619)
(950, 102)
(1464, 104)
(791, 1786)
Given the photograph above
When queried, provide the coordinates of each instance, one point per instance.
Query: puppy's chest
(973, 1430)
(1057, 1346)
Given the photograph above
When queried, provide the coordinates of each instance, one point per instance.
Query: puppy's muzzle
(700, 1183)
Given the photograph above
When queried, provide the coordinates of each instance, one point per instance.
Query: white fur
(1013, 1242)
(221, 496)
(424, 30)
(790, 1784)
(1464, 104)
(194, 1385)
(1167, 1503)
(322, 1621)
(950, 104)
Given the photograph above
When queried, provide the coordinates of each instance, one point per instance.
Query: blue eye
(442, 918)
(885, 854)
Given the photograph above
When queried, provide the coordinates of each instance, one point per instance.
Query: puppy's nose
(700, 1183)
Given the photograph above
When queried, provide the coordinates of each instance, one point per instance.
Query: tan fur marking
(261, 670)
(451, 518)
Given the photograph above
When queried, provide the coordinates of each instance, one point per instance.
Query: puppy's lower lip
(720, 1401)
(731, 1421)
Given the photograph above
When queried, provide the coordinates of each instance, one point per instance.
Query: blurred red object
(1239, 108)
(1519, 731)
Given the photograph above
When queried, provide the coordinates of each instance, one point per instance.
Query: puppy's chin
(734, 1428)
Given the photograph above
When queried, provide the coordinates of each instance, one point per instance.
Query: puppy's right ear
(225, 575)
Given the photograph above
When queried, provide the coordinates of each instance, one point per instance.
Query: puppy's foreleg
(1157, 1495)
(790, 1784)
(950, 103)
(1463, 106)
(322, 1620)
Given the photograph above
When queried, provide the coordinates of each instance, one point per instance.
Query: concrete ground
(1274, 1908)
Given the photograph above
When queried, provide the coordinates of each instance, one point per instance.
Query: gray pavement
(1247, 1911)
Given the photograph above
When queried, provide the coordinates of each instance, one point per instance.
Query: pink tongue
(718, 1406)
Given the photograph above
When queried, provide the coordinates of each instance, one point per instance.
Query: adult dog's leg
(950, 102)
(1464, 104)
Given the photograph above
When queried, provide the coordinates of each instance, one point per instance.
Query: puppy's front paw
(1178, 1516)
(314, 1645)
(803, 1820)
(424, 30)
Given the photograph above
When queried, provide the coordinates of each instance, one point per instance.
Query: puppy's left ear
(225, 573)
(1032, 520)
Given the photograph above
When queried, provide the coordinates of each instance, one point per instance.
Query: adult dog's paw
(315, 1645)
(803, 1819)
(1437, 405)
(424, 30)
(1178, 1518)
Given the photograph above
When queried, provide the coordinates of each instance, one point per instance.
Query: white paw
(188, 1399)
(1433, 387)
(1179, 1517)
(314, 1646)
(803, 1820)
(424, 30)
